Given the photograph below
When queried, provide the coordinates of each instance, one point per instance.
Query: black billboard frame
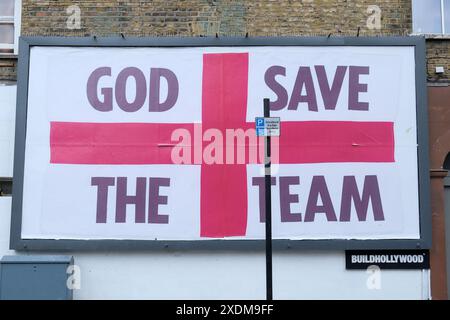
(25, 44)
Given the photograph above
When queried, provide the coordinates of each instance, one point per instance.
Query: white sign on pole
(267, 126)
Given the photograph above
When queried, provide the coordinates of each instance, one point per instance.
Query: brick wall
(226, 18)
(438, 54)
(8, 69)
(323, 17)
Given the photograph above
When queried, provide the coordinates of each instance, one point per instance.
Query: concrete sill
(8, 56)
(433, 36)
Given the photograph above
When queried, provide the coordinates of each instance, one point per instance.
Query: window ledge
(8, 56)
(437, 84)
(432, 36)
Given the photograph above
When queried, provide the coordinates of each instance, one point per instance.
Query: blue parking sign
(260, 122)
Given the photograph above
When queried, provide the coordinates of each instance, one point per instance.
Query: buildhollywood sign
(158, 143)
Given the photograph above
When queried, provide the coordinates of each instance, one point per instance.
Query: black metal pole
(268, 196)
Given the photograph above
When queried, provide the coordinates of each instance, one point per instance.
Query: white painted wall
(7, 119)
(209, 275)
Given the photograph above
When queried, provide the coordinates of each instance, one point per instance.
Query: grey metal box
(35, 277)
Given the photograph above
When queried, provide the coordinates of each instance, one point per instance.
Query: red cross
(224, 106)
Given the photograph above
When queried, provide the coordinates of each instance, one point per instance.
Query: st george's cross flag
(159, 143)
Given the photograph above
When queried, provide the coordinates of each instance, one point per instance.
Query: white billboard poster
(159, 143)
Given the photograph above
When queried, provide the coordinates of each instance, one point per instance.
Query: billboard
(151, 142)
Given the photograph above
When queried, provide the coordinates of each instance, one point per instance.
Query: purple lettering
(319, 187)
(260, 182)
(330, 95)
(121, 89)
(278, 89)
(155, 200)
(155, 85)
(286, 198)
(304, 79)
(102, 184)
(122, 199)
(91, 90)
(355, 87)
(350, 192)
